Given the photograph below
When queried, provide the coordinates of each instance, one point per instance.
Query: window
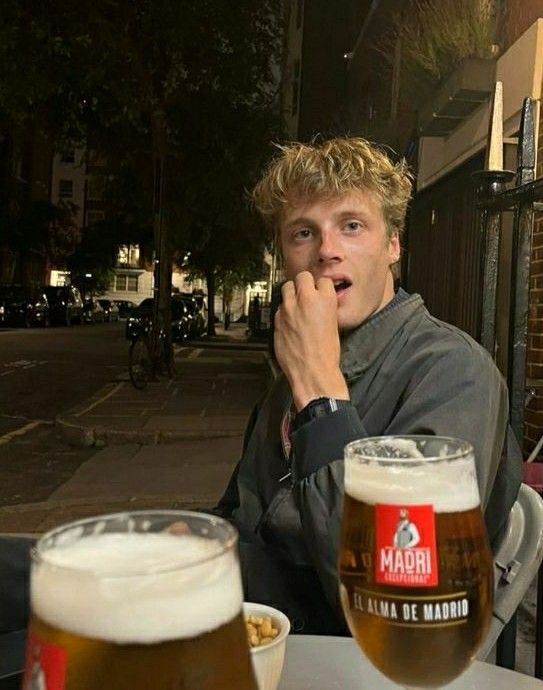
(95, 188)
(95, 158)
(126, 283)
(94, 217)
(65, 189)
(129, 255)
(68, 157)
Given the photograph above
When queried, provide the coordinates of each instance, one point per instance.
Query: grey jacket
(407, 373)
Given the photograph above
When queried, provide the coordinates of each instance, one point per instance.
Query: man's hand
(307, 340)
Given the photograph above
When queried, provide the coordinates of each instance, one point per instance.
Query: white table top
(336, 663)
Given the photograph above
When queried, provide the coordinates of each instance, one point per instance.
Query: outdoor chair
(516, 562)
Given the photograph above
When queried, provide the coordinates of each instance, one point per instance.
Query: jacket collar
(361, 347)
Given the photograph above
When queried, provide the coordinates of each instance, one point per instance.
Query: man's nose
(330, 247)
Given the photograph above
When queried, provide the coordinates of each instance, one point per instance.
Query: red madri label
(405, 546)
(45, 667)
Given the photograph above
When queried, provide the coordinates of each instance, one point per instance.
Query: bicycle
(141, 366)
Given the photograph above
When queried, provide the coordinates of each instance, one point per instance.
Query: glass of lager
(136, 601)
(415, 566)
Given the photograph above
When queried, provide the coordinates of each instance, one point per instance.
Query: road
(44, 372)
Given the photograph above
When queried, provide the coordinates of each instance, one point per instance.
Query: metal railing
(523, 199)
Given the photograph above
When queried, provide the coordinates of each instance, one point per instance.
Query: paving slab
(188, 469)
(36, 518)
(208, 387)
(188, 422)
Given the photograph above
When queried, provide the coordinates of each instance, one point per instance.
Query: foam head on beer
(372, 476)
(137, 588)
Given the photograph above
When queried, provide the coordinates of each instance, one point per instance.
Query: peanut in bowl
(271, 628)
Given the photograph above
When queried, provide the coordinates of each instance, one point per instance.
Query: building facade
(359, 76)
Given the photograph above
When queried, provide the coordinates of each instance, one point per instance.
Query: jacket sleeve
(230, 499)
(450, 395)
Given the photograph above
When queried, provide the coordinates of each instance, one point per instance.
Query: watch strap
(319, 407)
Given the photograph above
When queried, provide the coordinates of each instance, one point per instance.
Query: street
(46, 372)
(42, 372)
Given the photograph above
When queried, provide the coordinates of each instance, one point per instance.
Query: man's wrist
(317, 408)
(303, 395)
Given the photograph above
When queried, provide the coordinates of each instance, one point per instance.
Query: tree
(222, 233)
(41, 227)
(159, 85)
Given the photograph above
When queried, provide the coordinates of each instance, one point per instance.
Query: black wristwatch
(320, 407)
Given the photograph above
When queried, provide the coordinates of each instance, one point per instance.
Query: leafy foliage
(191, 84)
(92, 263)
(436, 35)
(41, 227)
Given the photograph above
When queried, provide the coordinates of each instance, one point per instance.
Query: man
(357, 360)
(406, 535)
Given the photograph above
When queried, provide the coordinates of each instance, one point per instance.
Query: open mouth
(341, 285)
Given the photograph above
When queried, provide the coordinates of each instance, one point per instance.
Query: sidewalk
(190, 406)
(173, 445)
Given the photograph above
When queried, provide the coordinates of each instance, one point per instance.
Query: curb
(75, 434)
(79, 434)
(228, 345)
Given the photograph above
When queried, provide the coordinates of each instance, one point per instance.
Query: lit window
(129, 255)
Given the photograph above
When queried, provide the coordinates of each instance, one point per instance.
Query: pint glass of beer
(415, 566)
(137, 601)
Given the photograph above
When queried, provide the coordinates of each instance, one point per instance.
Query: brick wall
(533, 427)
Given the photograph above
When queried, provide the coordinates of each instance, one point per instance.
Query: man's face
(343, 239)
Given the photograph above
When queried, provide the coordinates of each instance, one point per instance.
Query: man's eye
(303, 234)
(353, 226)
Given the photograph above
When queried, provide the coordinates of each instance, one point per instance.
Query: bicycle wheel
(139, 363)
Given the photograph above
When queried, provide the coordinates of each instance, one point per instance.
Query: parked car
(197, 322)
(23, 306)
(65, 304)
(92, 311)
(111, 310)
(142, 318)
(126, 307)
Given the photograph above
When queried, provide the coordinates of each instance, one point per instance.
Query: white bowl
(268, 660)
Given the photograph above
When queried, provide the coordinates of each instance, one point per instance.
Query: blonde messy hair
(330, 169)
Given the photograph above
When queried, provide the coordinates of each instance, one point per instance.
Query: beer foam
(449, 486)
(96, 588)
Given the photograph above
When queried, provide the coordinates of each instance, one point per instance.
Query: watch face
(322, 407)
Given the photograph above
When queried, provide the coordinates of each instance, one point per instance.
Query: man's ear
(394, 248)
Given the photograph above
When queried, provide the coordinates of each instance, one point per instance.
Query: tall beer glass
(137, 601)
(415, 564)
